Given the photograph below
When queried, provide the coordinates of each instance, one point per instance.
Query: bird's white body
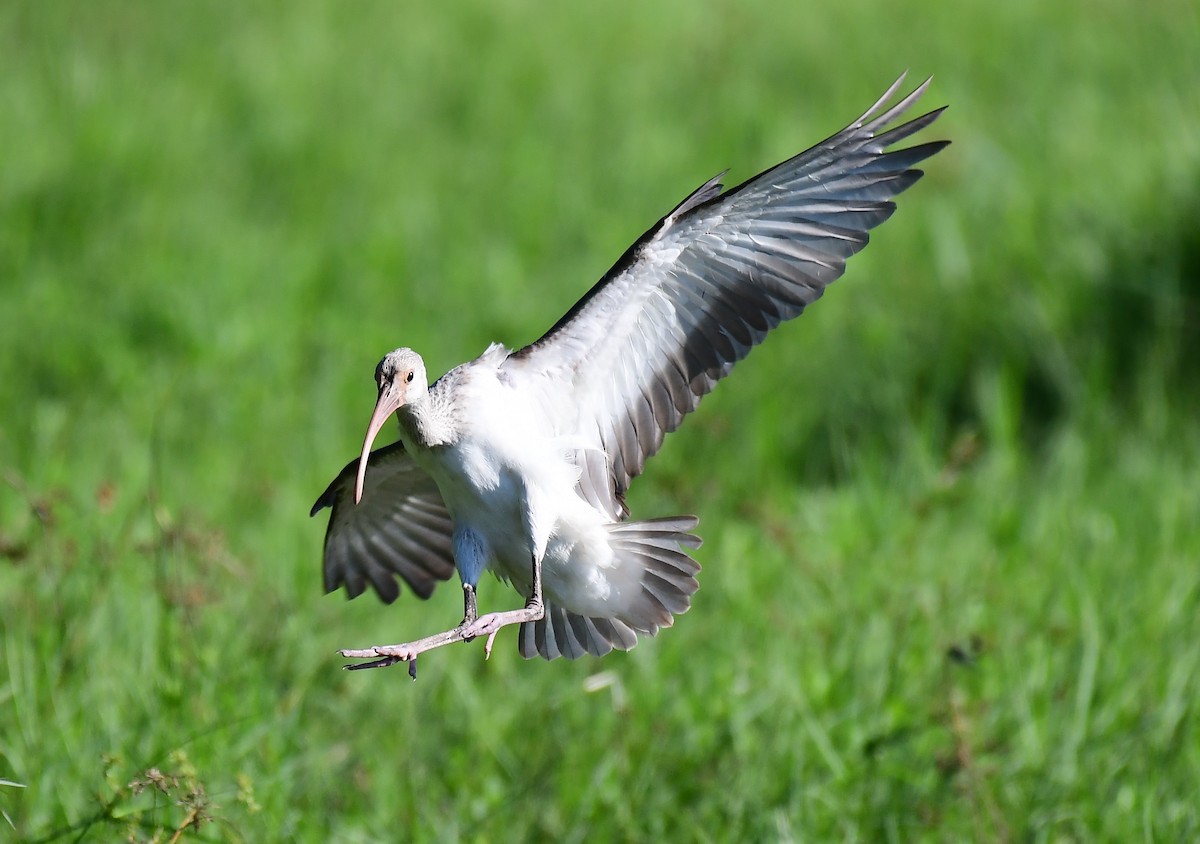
(509, 484)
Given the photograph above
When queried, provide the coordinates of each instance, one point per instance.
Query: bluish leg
(470, 607)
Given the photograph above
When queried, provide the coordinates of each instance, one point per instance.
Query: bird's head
(401, 379)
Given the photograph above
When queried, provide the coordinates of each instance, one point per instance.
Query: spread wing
(400, 528)
(706, 284)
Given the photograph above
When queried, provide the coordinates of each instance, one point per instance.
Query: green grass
(951, 581)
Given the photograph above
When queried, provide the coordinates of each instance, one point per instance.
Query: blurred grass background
(952, 514)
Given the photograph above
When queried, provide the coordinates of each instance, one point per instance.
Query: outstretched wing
(706, 284)
(400, 528)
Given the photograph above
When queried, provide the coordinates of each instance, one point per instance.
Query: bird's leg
(382, 656)
(470, 607)
(534, 610)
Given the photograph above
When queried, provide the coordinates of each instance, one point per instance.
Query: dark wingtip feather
(326, 498)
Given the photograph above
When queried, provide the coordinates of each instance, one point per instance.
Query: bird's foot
(382, 656)
(489, 625)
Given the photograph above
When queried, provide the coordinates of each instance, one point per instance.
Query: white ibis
(519, 461)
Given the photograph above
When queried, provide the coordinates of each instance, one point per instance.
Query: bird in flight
(519, 461)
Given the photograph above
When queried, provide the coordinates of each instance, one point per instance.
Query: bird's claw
(386, 657)
(382, 662)
(486, 625)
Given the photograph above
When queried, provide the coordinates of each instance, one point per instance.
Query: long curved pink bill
(384, 408)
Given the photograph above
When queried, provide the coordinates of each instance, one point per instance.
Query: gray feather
(399, 529)
(708, 282)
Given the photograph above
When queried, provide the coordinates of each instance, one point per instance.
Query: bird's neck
(428, 422)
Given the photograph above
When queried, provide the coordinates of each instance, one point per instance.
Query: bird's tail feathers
(668, 581)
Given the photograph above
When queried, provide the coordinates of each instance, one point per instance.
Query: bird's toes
(485, 625)
(398, 653)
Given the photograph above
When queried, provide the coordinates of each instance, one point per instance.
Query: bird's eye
(410, 377)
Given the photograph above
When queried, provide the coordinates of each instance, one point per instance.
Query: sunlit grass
(950, 586)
